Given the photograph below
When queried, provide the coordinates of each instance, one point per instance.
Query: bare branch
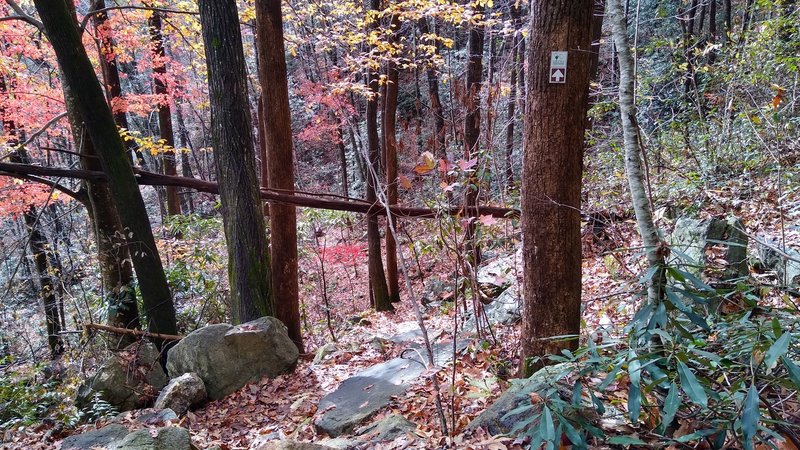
(21, 15)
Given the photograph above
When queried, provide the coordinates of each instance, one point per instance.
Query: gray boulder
(388, 428)
(495, 419)
(182, 393)
(129, 379)
(228, 357)
(95, 438)
(496, 276)
(166, 438)
(691, 238)
(291, 445)
(786, 268)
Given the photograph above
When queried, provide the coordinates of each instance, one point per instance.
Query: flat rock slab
(96, 438)
(361, 396)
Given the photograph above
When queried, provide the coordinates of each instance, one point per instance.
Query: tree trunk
(439, 144)
(164, 112)
(389, 129)
(186, 167)
(472, 129)
(40, 247)
(512, 98)
(377, 277)
(280, 163)
(552, 167)
(245, 230)
(78, 73)
(39, 244)
(633, 163)
(108, 66)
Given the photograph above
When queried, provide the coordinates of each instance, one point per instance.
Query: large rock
(166, 438)
(291, 445)
(129, 379)
(496, 420)
(182, 393)
(95, 439)
(786, 268)
(228, 357)
(388, 428)
(692, 238)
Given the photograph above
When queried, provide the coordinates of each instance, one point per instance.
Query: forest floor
(286, 407)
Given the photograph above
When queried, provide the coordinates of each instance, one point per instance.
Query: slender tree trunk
(633, 163)
(245, 230)
(280, 163)
(164, 111)
(186, 167)
(78, 73)
(40, 247)
(389, 129)
(439, 144)
(512, 99)
(108, 66)
(472, 129)
(342, 159)
(377, 276)
(552, 168)
(262, 149)
(39, 244)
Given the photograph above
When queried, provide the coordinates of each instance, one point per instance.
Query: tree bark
(472, 129)
(552, 168)
(110, 70)
(654, 247)
(245, 234)
(389, 130)
(79, 74)
(512, 99)
(164, 111)
(277, 123)
(377, 276)
(439, 144)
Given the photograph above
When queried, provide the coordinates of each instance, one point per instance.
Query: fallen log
(354, 205)
(130, 332)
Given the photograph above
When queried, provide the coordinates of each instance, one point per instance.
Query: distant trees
(245, 230)
(552, 170)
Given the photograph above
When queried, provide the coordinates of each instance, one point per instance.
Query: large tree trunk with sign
(277, 130)
(551, 192)
(245, 234)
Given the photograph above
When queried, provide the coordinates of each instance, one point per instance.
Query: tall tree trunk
(512, 98)
(78, 73)
(261, 123)
(245, 231)
(110, 70)
(377, 277)
(654, 247)
(113, 256)
(342, 159)
(164, 111)
(552, 168)
(186, 167)
(280, 163)
(472, 129)
(39, 245)
(439, 144)
(389, 129)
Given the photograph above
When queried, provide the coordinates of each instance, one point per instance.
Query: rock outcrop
(227, 357)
